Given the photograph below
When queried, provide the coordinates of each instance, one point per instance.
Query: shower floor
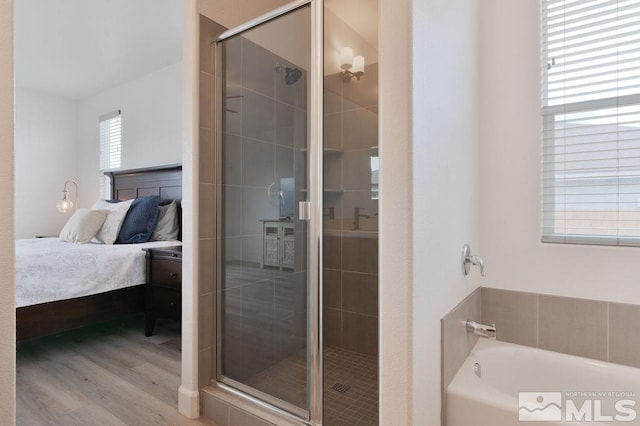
(350, 385)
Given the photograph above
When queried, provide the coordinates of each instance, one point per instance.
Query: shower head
(291, 76)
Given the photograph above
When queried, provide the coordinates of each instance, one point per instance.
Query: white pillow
(117, 212)
(167, 228)
(83, 225)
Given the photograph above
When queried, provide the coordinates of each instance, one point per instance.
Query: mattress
(48, 269)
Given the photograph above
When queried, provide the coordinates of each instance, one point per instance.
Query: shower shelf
(326, 150)
(330, 190)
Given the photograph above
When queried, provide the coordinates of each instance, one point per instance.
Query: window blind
(591, 121)
(110, 147)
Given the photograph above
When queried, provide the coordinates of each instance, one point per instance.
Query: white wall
(151, 125)
(57, 140)
(7, 295)
(232, 13)
(445, 181)
(45, 157)
(511, 174)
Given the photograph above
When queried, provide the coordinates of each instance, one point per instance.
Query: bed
(92, 289)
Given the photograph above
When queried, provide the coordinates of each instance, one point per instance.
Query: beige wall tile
(624, 339)
(214, 409)
(258, 116)
(360, 254)
(573, 326)
(363, 92)
(206, 36)
(205, 155)
(332, 252)
(332, 324)
(285, 124)
(360, 293)
(360, 333)
(360, 130)
(332, 288)
(206, 266)
(258, 162)
(205, 321)
(206, 98)
(240, 418)
(205, 212)
(205, 367)
(456, 341)
(258, 72)
(514, 313)
(332, 128)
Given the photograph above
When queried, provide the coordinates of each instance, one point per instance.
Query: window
(591, 121)
(110, 152)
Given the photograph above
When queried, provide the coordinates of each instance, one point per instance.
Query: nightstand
(164, 285)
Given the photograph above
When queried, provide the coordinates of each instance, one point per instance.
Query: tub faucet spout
(482, 330)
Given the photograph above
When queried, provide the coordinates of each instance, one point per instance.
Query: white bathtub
(605, 392)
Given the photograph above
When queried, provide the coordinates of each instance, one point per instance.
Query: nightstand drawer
(164, 285)
(166, 273)
(166, 302)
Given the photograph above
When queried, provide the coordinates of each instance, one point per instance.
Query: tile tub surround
(589, 328)
(594, 329)
(456, 343)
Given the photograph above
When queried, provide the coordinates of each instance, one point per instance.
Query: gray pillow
(167, 228)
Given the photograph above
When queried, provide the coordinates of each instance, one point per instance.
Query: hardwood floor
(105, 374)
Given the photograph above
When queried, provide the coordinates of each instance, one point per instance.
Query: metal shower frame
(313, 415)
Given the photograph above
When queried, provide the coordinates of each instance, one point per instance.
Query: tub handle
(469, 259)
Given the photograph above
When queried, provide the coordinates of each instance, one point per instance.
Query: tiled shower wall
(209, 31)
(264, 140)
(350, 255)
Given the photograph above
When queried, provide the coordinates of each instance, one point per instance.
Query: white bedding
(48, 269)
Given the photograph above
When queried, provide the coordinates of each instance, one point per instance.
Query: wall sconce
(351, 66)
(65, 204)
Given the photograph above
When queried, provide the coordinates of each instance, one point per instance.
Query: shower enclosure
(276, 212)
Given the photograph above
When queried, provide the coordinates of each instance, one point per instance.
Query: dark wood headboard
(164, 181)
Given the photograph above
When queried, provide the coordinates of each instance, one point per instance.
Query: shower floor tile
(350, 385)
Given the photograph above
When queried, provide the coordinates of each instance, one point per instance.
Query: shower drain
(341, 387)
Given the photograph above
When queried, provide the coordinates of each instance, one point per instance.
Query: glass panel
(263, 289)
(351, 167)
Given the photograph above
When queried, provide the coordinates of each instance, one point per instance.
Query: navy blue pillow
(140, 221)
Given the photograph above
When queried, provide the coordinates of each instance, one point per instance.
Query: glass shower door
(264, 293)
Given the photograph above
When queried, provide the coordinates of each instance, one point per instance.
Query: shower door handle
(304, 210)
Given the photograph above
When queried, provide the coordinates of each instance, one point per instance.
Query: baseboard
(189, 403)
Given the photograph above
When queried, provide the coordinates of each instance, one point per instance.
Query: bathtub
(557, 389)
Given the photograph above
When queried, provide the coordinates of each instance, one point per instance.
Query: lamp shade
(346, 58)
(358, 64)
